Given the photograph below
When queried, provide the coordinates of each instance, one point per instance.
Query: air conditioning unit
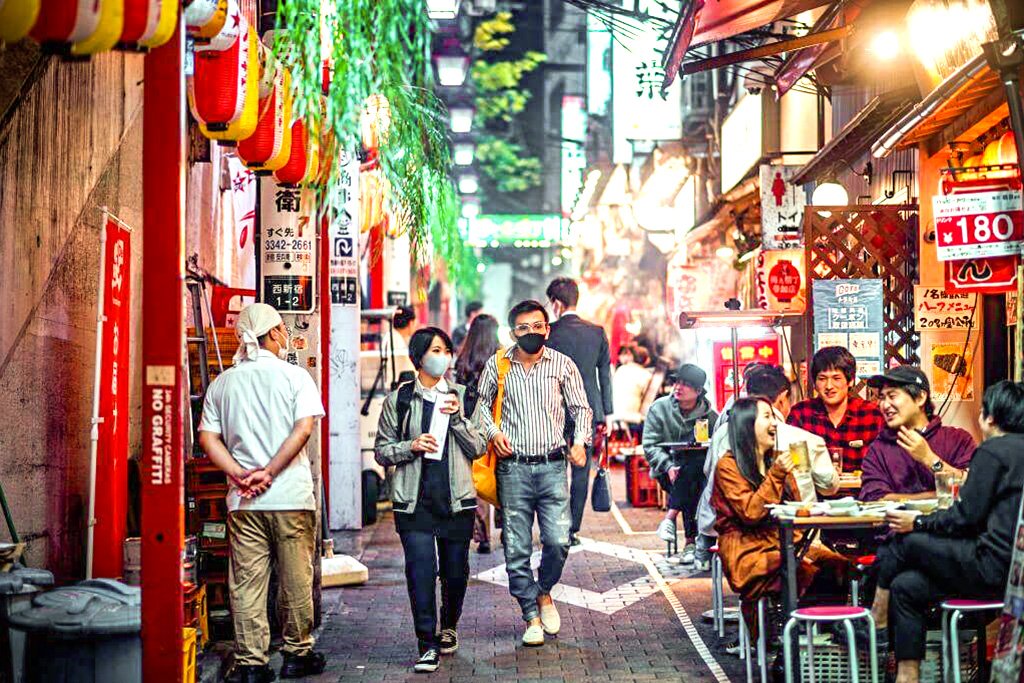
(478, 7)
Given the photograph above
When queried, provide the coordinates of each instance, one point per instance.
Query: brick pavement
(617, 624)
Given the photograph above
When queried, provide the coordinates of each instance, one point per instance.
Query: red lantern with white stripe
(269, 147)
(149, 23)
(302, 161)
(218, 86)
(66, 21)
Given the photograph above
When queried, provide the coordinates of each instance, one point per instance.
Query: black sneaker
(255, 674)
(574, 539)
(449, 641)
(298, 666)
(428, 662)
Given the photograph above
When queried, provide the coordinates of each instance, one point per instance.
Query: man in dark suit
(587, 345)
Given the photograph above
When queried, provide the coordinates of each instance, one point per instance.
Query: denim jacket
(465, 444)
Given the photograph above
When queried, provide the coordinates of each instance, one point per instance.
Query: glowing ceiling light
(886, 45)
(463, 153)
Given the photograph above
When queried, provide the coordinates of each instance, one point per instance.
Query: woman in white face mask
(424, 434)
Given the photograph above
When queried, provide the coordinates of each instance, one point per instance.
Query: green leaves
(375, 47)
(504, 163)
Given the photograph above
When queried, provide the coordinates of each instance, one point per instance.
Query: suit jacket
(587, 345)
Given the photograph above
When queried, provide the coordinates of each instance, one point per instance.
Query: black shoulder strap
(405, 394)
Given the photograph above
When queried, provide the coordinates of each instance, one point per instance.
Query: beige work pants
(254, 538)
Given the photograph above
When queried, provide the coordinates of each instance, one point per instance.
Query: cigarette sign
(978, 224)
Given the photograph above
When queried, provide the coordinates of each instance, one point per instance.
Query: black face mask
(531, 343)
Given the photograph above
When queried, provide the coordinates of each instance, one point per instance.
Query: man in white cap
(257, 417)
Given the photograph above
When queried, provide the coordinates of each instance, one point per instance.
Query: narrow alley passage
(618, 621)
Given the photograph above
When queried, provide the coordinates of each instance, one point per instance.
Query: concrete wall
(70, 145)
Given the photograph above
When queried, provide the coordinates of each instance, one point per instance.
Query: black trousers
(579, 489)
(684, 495)
(423, 552)
(921, 570)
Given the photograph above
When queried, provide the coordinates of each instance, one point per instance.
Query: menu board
(848, 313)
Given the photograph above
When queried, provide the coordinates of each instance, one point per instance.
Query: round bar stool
(762, 655)
(844, 614)
(864, 562)
(952, 612)
(717, 591)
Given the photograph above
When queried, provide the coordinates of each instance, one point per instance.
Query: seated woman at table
(749, 478)
(961, 552)
(914, 446)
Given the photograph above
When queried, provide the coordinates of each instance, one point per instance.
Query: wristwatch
(937, 466)
(917, 522)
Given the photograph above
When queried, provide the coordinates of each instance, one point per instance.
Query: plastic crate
(831, 664)
(188, 653)
(641, 490)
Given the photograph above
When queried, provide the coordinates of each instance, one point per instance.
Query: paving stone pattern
(617, 625)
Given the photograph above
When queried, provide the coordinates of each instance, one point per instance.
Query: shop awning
(971, 85)
(849, 144)
(706, 21)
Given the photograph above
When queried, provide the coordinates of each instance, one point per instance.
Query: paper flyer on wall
(1009, 650)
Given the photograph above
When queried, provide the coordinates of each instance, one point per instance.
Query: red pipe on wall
(163, 342)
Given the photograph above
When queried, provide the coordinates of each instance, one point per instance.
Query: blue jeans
(526, 490)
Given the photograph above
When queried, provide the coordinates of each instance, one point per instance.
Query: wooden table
(849, 484)
(787, 527)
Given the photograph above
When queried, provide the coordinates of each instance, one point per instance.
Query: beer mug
(700, 431)
(800, 455)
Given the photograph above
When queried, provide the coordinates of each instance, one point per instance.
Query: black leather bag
(601, 494)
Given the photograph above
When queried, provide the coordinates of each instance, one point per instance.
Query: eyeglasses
(526, 328)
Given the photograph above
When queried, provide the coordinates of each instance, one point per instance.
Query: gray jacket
(665, 423)
(465, 444)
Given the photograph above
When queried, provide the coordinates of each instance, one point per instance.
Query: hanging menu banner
(345, 236)
(970, 225)
(849, 313)
(287, 248)
(935, 309)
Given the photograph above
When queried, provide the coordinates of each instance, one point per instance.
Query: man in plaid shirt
(844, 421)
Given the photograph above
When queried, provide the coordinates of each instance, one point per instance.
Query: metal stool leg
(745, 653)
(811, 630)
(855, 593)
(762, 641)
(851, 644)
(954, 644)
(718, 596)
(787, 648)
(946, 649)
(873, 652)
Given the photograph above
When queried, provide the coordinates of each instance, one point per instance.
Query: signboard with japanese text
(639, 112)
(782, 208)
(1011, 308)
(971, 225)
(243, 202)
(935, 309)
(344, 235)
(747, 351)
(992, 275)
(287, 248)
(574, 156)
(113, 413)
(849, 313)
(519, 230)
(781, 281)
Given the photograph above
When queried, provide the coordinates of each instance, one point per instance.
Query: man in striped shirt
(542, 387)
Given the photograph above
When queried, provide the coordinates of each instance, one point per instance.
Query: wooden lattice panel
(876, 242)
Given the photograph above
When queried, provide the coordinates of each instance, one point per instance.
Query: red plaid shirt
(862, 422)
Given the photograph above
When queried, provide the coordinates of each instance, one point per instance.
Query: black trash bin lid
(97, 607)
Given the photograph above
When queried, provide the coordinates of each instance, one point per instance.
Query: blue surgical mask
(436, 364)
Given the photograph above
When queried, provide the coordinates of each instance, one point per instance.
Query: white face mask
(282, 351)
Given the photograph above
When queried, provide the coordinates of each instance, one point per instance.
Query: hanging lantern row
(303, 160)
(89, 26)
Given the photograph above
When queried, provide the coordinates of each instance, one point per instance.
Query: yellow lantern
(375, 121)
(1007, 148)
(990, 157)
(244, 124)
(107, 32)
(16, 19)
(204, 19)
(160, 31)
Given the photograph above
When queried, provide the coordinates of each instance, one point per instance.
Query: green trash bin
(86, 633)
(17, 588)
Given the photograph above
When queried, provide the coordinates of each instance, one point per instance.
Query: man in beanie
(671, 420)
(257, 417)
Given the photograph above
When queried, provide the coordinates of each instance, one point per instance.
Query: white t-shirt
(629, 383)
(254, 407)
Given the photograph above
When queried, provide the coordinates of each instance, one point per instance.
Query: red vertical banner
(112, 441)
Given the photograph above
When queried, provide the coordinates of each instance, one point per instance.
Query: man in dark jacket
(671, 420)
(915, 446)
(587, 345)
(963, 551)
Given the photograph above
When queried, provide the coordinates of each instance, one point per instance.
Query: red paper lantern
(784, 281)
(218, 85)
(301, 160)
(269, 147)
(149, 22)
(66, 21)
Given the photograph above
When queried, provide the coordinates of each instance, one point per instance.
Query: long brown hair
(480, 344)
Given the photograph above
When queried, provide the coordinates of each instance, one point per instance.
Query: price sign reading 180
(978, 224)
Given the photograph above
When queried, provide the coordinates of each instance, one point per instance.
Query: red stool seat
(866, 560)
(830, 612)
(713, 549)
(965, 605)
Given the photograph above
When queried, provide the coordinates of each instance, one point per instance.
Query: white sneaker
(550, 619)
(667, 530)
(534, 636)
(689, 553)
